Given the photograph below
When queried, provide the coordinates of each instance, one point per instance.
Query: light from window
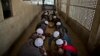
(49, 2)
(36, 2)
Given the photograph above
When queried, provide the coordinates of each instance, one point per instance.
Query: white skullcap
(38, 42)
(46, 13)
(46, 22)
(54, 16)
(56, 34)
(58, 23)
(59, 42)
(39, 31)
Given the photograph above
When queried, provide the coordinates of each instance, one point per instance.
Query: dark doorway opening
(6, 6)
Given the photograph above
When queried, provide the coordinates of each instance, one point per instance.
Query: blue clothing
(67, 38)
(63, 35)
(61, 30)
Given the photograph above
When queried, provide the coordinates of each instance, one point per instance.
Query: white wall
(1, 13)
(11, 28)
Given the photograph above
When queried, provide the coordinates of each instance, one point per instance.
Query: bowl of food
(51, 24)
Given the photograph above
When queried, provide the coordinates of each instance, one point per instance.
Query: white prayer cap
(46, 13)
(54, 16)
(58, 23)
(39, 31)
(59, 42)
(38, 42)
(56, 34)
(46, 22)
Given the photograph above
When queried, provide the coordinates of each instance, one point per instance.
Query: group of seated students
(35, 45)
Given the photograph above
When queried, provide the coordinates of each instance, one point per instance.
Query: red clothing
(69, 48)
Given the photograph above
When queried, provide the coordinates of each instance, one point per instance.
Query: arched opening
(48, 4)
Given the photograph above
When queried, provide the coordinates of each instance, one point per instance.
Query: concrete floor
(28, 32)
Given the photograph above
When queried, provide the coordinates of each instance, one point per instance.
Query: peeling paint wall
(11, 28)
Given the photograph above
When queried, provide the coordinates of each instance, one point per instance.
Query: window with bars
(63, 5)
(40, 2)
(49, 2)
(83, 12)
(33, 2)
(36, 2)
